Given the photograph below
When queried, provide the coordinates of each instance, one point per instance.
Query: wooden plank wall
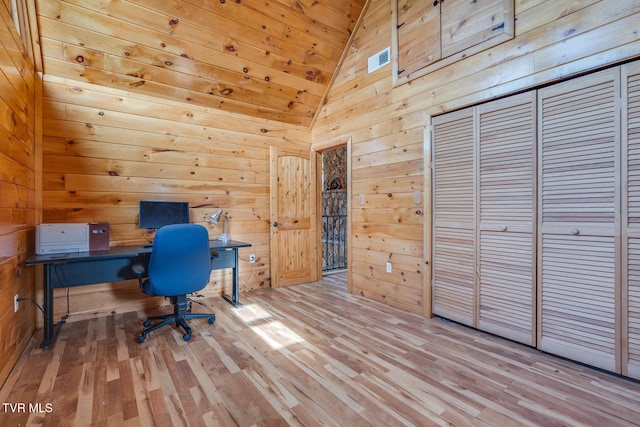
(554, 40)
(105, 149)
(17, 191)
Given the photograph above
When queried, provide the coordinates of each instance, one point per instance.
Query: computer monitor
(155, 214)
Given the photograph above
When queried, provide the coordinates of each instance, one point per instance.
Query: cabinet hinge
(498, 27)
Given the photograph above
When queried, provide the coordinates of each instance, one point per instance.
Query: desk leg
(234, 300)
(49, 327)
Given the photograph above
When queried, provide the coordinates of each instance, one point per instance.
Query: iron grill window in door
(334, 230)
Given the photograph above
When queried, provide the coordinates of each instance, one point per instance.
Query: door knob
(275, 223)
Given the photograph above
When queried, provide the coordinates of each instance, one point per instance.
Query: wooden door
(468, 23)
(630, 306)
(294, 207)
(579, 170)
(506, 217)
(418, 34)
(454, 259)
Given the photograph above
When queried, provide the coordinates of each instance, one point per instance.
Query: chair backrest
(180, 260)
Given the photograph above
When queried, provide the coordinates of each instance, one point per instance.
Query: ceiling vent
(380, 59)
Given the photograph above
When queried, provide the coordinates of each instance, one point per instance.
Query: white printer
(62, 238)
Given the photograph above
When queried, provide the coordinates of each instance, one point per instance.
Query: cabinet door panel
(507, 188)
(454, 225)
(453, 274)
(579, 192)
(418, 35)
(507, 285)
(579, 299)
(466, 23)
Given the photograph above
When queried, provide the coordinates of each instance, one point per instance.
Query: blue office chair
(180, 264)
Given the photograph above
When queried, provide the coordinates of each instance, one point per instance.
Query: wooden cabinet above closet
(428, 35)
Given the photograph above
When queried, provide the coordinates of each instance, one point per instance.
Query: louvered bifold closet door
(507, 203)
(453, 283)
(579, 164)
(631, 227)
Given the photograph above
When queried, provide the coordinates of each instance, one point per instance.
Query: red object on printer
(98, 236)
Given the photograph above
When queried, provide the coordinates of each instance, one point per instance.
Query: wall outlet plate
(389, 267)
(15, 303)
(252, 258)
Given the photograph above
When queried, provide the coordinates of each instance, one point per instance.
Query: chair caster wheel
(141, 339)
(211, 320)
(186, 337)
(147, 323)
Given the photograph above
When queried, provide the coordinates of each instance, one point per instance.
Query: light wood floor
(307, 355)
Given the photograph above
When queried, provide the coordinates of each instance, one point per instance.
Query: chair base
(179, 317)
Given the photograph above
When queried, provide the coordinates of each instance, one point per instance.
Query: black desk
(113, 265)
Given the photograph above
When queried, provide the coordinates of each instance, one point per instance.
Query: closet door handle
(504, 228)
(575, 231)
(275, 223)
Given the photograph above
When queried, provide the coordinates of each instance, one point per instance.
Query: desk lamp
(215, 218)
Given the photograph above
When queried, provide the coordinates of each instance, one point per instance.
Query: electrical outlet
(361, 199)
(15, 303)
(389, 267)
(252, 258)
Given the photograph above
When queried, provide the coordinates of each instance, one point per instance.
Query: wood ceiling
(271, 59)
